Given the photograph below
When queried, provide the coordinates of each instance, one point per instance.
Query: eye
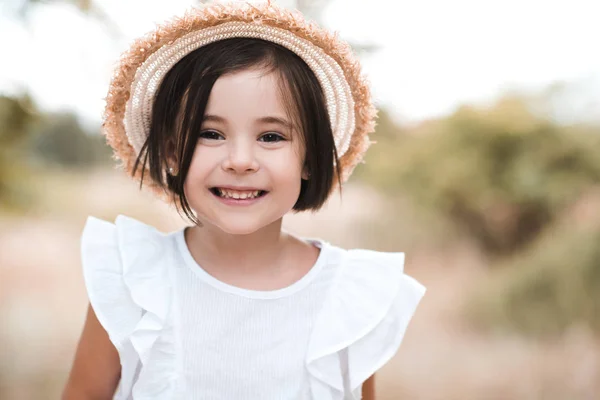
(210, 135)
(271, 137)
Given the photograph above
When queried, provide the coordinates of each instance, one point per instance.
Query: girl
(237, 114)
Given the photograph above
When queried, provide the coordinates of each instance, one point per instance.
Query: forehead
(251, 93)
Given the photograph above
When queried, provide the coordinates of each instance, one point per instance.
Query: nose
(240, 157)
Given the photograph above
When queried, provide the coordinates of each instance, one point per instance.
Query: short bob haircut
(179, 107)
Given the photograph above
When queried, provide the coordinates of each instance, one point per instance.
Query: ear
(172, 168)
(172, 161)
(305, 173)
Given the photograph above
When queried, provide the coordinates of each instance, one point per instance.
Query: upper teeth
(236, 194)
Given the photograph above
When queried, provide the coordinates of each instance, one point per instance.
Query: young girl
(237, 114)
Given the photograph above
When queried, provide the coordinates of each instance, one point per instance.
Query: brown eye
(271, 137)
(210, 135)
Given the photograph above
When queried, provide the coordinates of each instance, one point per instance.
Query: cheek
(294, 155)
(204, 160)
(199, 170)
(284, 164)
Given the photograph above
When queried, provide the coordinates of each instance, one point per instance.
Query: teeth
(230, 194)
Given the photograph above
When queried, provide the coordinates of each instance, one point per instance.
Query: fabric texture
(183, 334)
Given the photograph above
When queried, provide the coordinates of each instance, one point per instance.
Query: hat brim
(125, 124)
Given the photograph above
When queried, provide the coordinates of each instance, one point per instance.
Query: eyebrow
(266, 120)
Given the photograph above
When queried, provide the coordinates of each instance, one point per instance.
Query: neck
(249, 252)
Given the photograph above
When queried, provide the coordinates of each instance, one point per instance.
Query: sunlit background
(486, 172)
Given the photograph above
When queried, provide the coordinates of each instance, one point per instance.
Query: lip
(238, 202)
(239, 188)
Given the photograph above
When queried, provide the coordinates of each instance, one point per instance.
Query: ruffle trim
(126, 271)
(362, 324)
(359, 329)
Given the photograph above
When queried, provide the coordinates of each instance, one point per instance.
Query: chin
(239, 229)
(239, 226)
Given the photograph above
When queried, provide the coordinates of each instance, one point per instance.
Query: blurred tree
(501, 174)
(61, 140)
(387, 135)
(30, 142)
(550, 287)
(17, 117)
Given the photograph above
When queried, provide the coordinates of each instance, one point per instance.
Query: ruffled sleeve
(126, 272)
(362, 323)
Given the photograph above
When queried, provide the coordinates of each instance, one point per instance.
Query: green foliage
(61, 140)
(387, 136)
(17, 116)
(554, 284)
(501, 174)
(509, 178)
(30, 142)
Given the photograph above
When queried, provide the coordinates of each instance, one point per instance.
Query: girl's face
(247, 166)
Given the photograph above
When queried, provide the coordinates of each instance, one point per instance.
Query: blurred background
(486, 172)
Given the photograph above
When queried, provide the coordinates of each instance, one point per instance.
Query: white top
(183, 334)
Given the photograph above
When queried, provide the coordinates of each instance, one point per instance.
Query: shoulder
(365, 318)
(127, 248)
(124, 246)
(125, 232)
(370, 269)
(127, 277)
(120, 261)
(305, 253)
(118, 257)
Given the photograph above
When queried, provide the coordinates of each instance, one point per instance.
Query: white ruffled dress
(359, 304)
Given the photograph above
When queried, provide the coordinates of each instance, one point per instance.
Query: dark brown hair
(180, 103)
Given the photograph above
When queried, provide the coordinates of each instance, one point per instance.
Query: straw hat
(141, 69)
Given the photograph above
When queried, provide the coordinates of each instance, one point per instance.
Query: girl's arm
(96, 369)
(368, 389)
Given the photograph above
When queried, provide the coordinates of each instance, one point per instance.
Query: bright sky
(434, 54)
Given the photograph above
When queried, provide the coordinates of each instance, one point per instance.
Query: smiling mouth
(237, 194)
